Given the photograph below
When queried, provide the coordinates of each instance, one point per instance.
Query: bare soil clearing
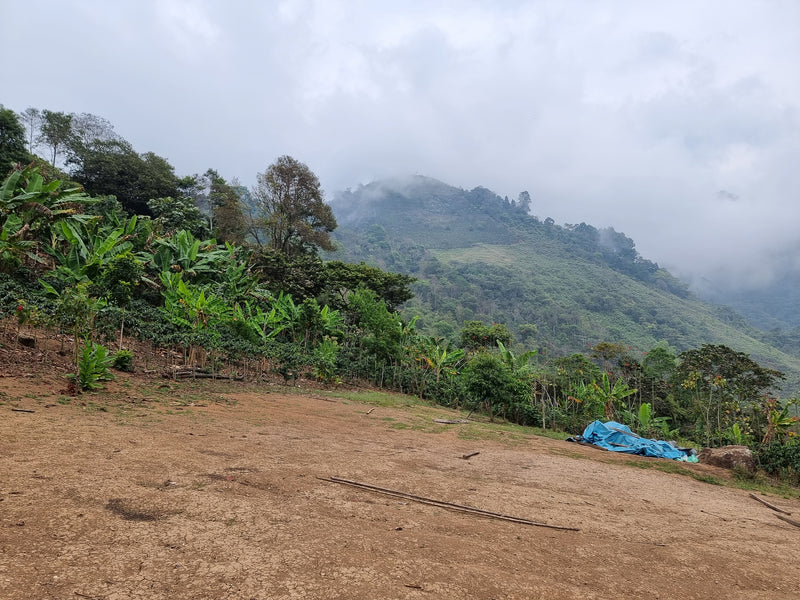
(158, 489)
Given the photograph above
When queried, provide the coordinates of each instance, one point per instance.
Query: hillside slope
(559, 288)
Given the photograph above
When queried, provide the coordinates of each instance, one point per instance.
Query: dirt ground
(157, 489)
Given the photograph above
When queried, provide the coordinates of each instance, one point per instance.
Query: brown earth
(157, 489)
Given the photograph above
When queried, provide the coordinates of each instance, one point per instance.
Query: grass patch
(675, 468)
(763, 483)
(740, 479)
(507, 434)
(381, 399)
(566, 452)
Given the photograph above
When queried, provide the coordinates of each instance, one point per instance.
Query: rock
(728, 457)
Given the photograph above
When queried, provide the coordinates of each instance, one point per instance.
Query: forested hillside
(559, 288)
(111, 258)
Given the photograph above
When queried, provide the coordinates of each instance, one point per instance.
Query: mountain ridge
(560, 288)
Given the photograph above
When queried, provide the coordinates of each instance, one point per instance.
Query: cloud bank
(675, 122)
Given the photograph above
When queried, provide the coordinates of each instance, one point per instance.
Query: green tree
(112, 167)
(301, 276)
(475, 336)
(439, 356)
(375, 328)
(292, 212)
(175, 214)
(490, 382)
(341, 279)
(515, 362)
(228, 220)
(716, 383)
(32, 119)
(55, 132)
(611, 395)
(12, 141)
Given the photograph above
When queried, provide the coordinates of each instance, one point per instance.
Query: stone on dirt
(728, 457)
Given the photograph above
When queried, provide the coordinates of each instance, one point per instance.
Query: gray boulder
(728, 457)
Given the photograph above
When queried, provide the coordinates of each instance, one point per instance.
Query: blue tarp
(619, 438)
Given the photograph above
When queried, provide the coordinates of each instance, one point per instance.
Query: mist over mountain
(559, 288)
(770, 305)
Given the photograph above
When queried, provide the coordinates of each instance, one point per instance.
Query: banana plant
(12, 247)
(515, 362)
(90, 249)
(440, 357)
(235, 279)
(265, 325)
(183, 253)
(288, 314)
(611, 395)
(779, 420)
(189, 306)
(29, 209)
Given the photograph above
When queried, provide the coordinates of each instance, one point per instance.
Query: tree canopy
(292, 212)
(12, 140)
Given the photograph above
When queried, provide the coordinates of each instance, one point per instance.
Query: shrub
(122, 360)
(780, 460)
(93, 364)
(490, 381)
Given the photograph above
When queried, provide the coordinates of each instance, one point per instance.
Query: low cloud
(673, 122)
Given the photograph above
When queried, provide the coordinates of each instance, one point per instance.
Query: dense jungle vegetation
(105, 243)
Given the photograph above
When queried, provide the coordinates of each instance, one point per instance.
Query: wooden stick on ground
(443, 504)
(714, 514)
(788, 520)
(768, 505)
(468, 456)
(25, 410)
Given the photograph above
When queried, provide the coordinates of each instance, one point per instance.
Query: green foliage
(227, 215)
(120, 278)
(30, 210)
(180, 213)
(611, 395)
(779, 420)
(715, 383)
(341, 279)
(75, 309)
(376, 329)
(93, 366)
(478, 258)
(293, 216)
(56, 132)
(12, 141)
(183, 253)
(302, 276)
(490, 382)
(439, 357)
(112, 167)
(477, 336)
(324, 361)
(514, 361)
(649, 425)
(781, 460)
(122, 360)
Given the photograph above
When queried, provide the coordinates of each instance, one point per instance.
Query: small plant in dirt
(122, 360)
(93, 366)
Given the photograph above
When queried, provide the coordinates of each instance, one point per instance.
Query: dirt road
(215, 493)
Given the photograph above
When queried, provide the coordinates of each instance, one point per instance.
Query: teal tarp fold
(619, 438)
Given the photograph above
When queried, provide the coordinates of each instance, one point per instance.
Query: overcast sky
(676, 122)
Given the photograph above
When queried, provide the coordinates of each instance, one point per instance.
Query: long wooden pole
(443, 504)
